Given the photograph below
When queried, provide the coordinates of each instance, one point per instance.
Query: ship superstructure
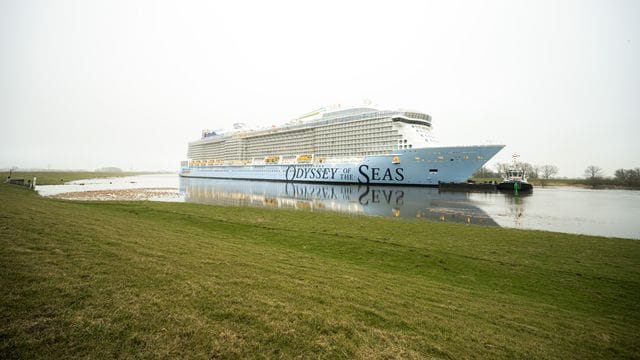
(350, 145)
(343, 133)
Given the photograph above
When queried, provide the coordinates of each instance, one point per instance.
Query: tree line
(543, 172)
(593, 175)
(621, 177)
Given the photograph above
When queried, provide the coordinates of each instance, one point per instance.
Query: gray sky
(87, 84)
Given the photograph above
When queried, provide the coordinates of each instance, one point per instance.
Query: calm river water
(614, 213)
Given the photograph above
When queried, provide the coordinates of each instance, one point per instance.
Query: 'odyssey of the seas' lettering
(355, 145)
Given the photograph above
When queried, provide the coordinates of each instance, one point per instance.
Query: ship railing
(322, 122)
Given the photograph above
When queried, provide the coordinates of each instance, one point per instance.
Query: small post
(33, 184)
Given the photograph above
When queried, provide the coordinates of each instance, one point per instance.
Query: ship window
(410, 146)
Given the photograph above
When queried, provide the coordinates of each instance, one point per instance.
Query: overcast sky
(86, 84)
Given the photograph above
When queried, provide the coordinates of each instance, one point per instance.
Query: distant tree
(548, 171)
(593, 174)
(535, 172)
(628, 177)
(484, 173)
(502, 168)
(530, 170)
(634, 177)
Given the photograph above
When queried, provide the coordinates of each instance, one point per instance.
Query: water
(567, 209)
(611, 213)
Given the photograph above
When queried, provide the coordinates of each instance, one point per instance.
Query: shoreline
(140, 194)
(153, 279)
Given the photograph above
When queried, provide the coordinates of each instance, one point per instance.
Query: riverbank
(145, 279)
(605, 184)
(61, 177)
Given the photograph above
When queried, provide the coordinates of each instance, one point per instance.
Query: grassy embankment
(60, 177)
(144, 279)
(600, 184)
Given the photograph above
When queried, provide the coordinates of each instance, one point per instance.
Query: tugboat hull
(515, 186)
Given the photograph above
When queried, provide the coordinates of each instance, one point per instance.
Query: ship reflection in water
(391, 201)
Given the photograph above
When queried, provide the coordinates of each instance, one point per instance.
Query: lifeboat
(272, 159)
(304, 158)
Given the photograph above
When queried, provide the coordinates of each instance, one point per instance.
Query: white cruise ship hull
(423, 166)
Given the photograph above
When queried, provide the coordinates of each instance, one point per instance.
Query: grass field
(172, 280)
(60, 177)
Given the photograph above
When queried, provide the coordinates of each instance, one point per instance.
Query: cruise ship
(359, 145)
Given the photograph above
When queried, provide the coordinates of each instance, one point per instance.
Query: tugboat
(515, 179)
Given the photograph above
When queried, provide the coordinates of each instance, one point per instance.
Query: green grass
(60, 177)
(171, 280)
